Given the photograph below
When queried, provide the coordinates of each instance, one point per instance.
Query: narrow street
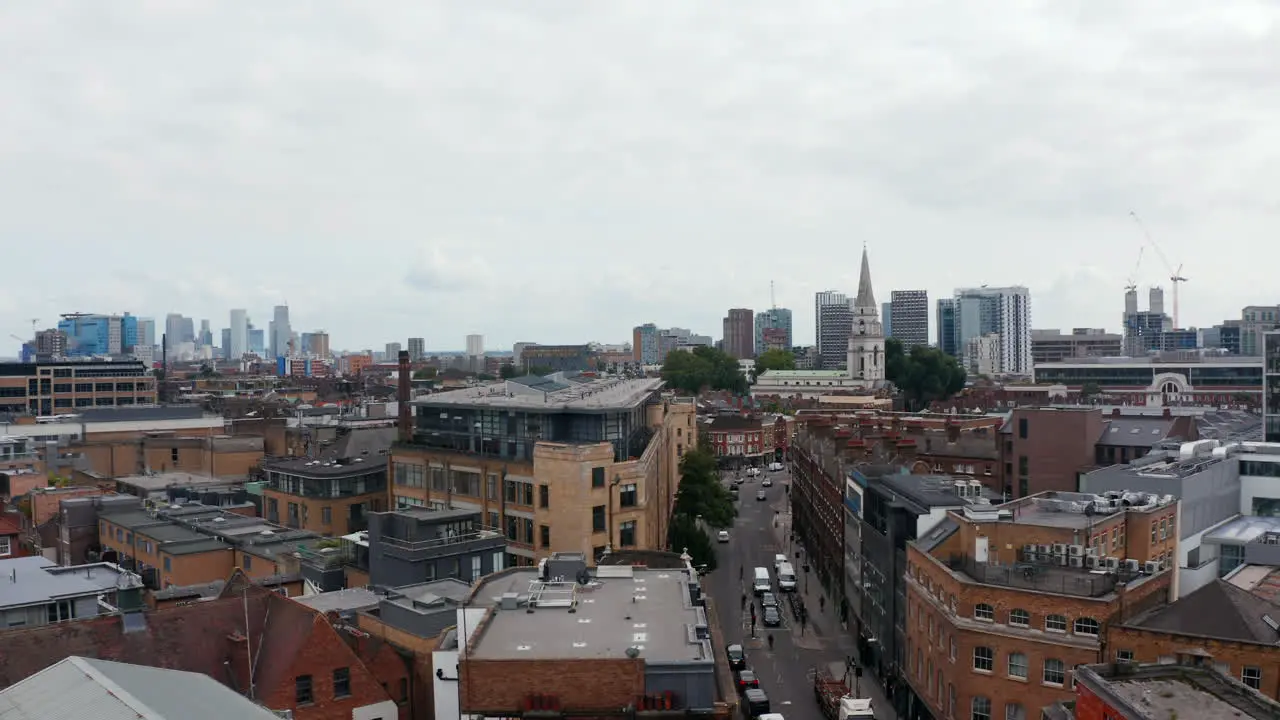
(786, 673)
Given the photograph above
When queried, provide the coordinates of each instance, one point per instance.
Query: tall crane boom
(1175, 275)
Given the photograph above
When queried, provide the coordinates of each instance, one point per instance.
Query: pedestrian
(769, 637)
(822, 603)
(744, 601)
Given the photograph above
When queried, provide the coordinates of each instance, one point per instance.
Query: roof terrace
(550, 393)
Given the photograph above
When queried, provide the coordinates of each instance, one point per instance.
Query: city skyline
(259, 155)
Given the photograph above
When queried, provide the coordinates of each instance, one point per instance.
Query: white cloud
(562, 173)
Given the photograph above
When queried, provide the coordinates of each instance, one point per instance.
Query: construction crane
(1175, 275)
(1130, 284)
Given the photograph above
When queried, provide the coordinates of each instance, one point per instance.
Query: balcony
(436, 544)
(1036, 577)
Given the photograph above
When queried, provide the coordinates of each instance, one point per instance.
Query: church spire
(866, 297)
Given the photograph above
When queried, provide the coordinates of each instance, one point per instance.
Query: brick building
(72, 386)
(1003, 602)
(740, 438)
(558, 463)
(643, 641)
(300, 662)
(1184, 688)
(331, 491)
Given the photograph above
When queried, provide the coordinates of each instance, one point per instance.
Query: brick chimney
(1115, 412)
(403, 394)
(1168, 413)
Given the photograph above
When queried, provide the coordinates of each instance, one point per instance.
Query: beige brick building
(558, 464)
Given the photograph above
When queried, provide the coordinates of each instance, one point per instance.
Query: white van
(778, 560)
(761, 584)
(786, 577)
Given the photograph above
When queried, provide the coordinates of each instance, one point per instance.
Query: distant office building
(1255, 320)
(206, 335)
(50, 343)
(558, 358)
(417, 349)
(739, 333)
(517, 353)
(475, 345)
(886, 315)
(1056, 346)
(320, 344)
(909, 313)
(281, 331)
(88, 335)
(392, 351)
(72, 386)
(946, 322)
(1005, 311)
(772, 319)
(1143, 328)
(257, 340)
(238, 342)
(833, 322)
(982, 355)
(644, 344)
(146, 332)
(1271, 386)
(226, 342)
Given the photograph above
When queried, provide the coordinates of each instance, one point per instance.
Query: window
(491, 487)
(984, 659)
(627, 534)
(953, 649)
(5, 548)
(1014, 711)
(597, 477)
(248, 562)
(544, 535)
(951, 700)
(1022, 428)
(342, 682)
(477, 568)
(1023, 465)
(982, 705)
(1018, 665)
(1055, 673)
(173, 455)
(1019, 617)
(983, 611)
(627, 496)
(168, 564)
(302, 694)
(1055, 623)
(326, 515)
(544, 496)
(1086, 626)
(597, 519)
(1124, 656)
(404, 689)
(1154, 529)
(61, 610)
(1252, 676)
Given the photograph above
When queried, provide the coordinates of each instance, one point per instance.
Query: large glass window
(598, 519)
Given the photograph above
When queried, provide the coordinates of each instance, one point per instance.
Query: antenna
(1175, 276)
(773, 301)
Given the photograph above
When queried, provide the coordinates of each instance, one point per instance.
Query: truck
(835, 699)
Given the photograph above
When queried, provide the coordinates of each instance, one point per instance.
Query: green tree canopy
(425, 373)
(705, 367)
(686, 534)
(541, 370)
(507, 371)
(775, 360)
(923, 375)
(700, 492)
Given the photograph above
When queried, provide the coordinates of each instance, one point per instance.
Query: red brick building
(739, 437)
(1186, 688)
(300, 661)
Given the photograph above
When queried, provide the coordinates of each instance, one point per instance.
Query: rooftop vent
(510, 601)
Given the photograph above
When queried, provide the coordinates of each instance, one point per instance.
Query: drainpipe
(608, 505)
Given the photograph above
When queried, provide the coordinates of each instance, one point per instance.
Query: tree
(923, 375)
(700, 493)
(772, 360)
(1089, 390)
(485, 377)
(705, 367)
(425, 373)
(507, 371)
(685, 535)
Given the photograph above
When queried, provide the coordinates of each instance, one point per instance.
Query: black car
(767, 599)
(737, 658)
(772, 618)
(755, 703)
(746, 680)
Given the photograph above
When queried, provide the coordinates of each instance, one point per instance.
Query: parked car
(737, 657)
(739, 480)
(760, 495)
(723, 536)
(747, 679)
(767, 482)
(775, 467)
(772, 616)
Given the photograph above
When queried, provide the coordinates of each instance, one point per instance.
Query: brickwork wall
(1148, 646)
(323, 653)
(500, 687)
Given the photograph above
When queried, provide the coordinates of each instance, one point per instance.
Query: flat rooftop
(595, 396)
(931, 491)
(1160, 692)
(348, 600)
(163, 481)
(331, 467)
(1241, 530)
(37, 580)
(647, 609)
(1156, 361)
(1069, 509)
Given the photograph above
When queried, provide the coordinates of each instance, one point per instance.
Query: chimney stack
(402, 399)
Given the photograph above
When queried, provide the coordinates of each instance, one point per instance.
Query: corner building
(559, 463)
(1003, 602)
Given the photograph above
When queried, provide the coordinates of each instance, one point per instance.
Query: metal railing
(1041, 578)
(482, 532)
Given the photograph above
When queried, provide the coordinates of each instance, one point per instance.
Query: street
(786, 672)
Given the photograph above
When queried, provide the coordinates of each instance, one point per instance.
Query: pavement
(787, 670)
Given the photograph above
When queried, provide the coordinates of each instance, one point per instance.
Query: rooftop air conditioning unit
(1075, 550)
(1061, 559)
(1092, 562)
(1028, 549)
(1059, 549)
(1075, 561)
(1093, 551)
(1151, 567)
(1045, 550)
(1131, 565)
(1111, 563)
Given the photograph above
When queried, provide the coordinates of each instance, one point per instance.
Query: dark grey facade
(948, 340)
(910, 309)
(408, 547)
(835, 324)
(1271, 386)
(425, 609)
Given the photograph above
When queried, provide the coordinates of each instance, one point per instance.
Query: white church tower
(866, 341)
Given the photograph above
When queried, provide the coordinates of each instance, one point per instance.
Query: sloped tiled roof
(1218, 610)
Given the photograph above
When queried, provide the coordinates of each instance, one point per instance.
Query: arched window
(983, 611)
(1086, 626)
(1019, 617)
(981, 708)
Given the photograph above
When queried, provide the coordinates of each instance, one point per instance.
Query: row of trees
(705, 368)
(923, 375)
(700, 495)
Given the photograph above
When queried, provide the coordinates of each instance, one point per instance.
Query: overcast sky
(562, 171)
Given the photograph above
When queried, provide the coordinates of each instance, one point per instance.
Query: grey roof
(341, 600)
(1218, 610)
(437, 594)
(1141, 432)
(601, 395)
(27, 581)
(360, 450)
(938, 535)
(929, 491)
(1242, 529)
(80, 687)
(651, 610)
(141, 414)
